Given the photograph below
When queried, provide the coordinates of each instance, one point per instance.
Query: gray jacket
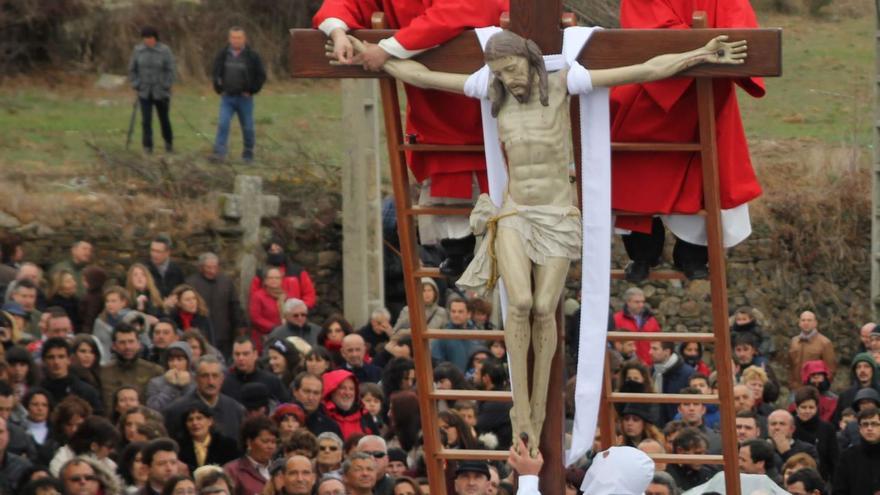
(151, 71)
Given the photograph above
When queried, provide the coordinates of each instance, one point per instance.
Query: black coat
(859, 471)
(823, 436)
(235, 380)
(70, 305)
(319, 422)
(202, 323)
(221, 450)
(254, 78)
(60, 388)
(173, 277)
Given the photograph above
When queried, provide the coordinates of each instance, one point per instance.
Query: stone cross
(249, 206)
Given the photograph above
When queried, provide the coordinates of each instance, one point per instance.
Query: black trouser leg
(646, 248)
(147, 123)
(686, 254)
(162, 109)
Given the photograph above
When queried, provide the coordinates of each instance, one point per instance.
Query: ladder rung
(662, 336)
(484, 395)
(428, 271)
(624, 213)
(444, 148)
(464, 334)
(688, 458)
(439, 210)
(656, 147)
(654, 275)
(473, 455)
(663, 398)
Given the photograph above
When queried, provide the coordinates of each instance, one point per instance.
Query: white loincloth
(544, 231)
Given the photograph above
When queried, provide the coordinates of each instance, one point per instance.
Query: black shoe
(169, 148)
(636, 271)
(694, 271)
(459, 252)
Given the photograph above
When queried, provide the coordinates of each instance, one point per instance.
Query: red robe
(666, 111)
(433, 117)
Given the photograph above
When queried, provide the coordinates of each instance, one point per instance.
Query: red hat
(288, 409)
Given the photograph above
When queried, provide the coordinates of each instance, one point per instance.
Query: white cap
(619, 471)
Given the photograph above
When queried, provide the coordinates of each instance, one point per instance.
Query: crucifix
(540, 22)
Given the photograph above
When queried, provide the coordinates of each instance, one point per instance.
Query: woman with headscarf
(435, 315)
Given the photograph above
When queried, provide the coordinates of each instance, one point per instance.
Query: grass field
(825, 97)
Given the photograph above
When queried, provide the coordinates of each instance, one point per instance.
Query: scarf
(201, 450)
(660, 369)
(186, 319)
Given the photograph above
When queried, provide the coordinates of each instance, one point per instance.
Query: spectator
(200, 441)
(83, 476)
(24, 292)
(806, 481)
(294, 279)
(330, 453)
(177, 381)
(812, 430)
(692, 415)
(250, 472)
(671, 374)
(265, 304)
(296, 323)
(227, 413)
(399, 374)
(142, 291)
(636, 316)
(330, 337)
(747, 427)
(692, 354)
(151, 72)
(807, 346)
(756, 379)
(255, 399)
(373, 400)
(19, 442)
(127, 368)
(481, 312)
(190, 311)
(635, 378)
(435, 315)
(283, 360)
(200, 347)
(745, 351)
(11, 254)
(472, 478)
(687, 476)
(244, 371)
(405, 422)
(166, 274)
(213, 480)
(494, 417)
(116, 312)
(377, 331)
(745, 321)
(86, 359)
(343, 406)
(864, 375)
(796, 463)
(331, 485)
(132, 422)
(299, 476)
(865, 337)
(859, 468)
(455, 351)
(163, 333)
(11, 465)
(96, 438)
(63, 294)
(756, 457)
(131, 467)
(816, 374)
(59, 381)
(218, 291)
(458, 435)
(375, 447)
(397, 467)
(404, 485)
(743, 398)
(308, 392)
(289, 418)
(662, 484)
(124, 398)
(353, 352)
(23, 372)
(160, 458)
(238, 74)
(92, 302)
(637, 423)
(38, 404)
(649, 446)
(712, 418)
(359, 474)
(780, 427)
(80, 256)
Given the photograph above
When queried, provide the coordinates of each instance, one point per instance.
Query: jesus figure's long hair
(506, 43)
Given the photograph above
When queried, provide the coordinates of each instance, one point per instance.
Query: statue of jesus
(537, 231)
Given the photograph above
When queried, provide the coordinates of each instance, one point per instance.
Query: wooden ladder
(435, 455)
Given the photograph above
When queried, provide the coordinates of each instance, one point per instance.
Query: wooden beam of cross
(539, 20)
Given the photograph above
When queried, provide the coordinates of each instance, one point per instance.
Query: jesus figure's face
(513, 71)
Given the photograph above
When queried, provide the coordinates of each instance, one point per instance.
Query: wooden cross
(539, 20)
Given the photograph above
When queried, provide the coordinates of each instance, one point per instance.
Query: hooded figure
(847, 398)
(164, 389)
(619, 471)
(435, 315)
(345, 407)
(827, 399)
(850, 435)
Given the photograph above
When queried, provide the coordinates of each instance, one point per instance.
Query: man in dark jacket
(308, 389)
(671, 374)
(228, 414)
(166, 274)
(151, 71)
(238, 75)
(59, 381)
(11, 465)
(859, 469)
(218, 291)
(244, 371)
(864, 375)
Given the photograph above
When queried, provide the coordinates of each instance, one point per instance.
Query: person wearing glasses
(859, 468)
(296, 323)
(329, 453)
(376, 447)
(80, 477)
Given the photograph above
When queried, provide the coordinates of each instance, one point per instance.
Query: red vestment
(433, 117)
(666, 111)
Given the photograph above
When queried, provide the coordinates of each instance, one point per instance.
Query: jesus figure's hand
(723, 52)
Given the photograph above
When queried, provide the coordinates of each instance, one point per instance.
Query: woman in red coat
(265, 306)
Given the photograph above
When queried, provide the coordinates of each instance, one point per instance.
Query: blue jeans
(243, 106)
